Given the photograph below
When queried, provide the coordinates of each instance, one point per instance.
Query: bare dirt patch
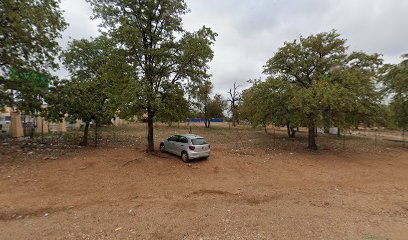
(251, 187)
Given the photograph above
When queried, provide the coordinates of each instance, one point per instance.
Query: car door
(171, 145)
(181, 145)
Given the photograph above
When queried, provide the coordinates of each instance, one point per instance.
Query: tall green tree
(202, 99)
(328, 87)
(208, 107)
(162, 54)
(98, 78)
(272, 99)
(396, 81)
(28, 47)
(215, 108)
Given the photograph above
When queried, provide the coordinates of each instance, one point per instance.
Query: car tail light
(191, 147)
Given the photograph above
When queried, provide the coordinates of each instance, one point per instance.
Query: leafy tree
(175, 108)
(97, 80)
(208, 107)
(326, 86)
(202, 100)
(162, 54)
(29, 91)
(215, 109)
(271, 99)
(396, 81)
(28, 41)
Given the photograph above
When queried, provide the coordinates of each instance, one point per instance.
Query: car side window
(174, 138)
(183, 140)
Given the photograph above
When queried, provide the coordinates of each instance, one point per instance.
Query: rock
(46, 214)
(131, 212)
(30, 153)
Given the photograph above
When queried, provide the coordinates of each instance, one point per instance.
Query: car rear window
(199, 141)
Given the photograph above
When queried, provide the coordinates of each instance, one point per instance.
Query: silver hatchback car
(188, 146)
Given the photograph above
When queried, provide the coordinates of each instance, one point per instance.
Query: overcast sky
(251, 31)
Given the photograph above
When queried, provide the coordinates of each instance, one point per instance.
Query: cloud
(250, 32)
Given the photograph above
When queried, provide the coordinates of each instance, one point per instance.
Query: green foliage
(269, 102)
(163, 56)
(216, 107)
(396, 81)
(206, 106)
(174, 108)
(313, 82)
(32, 88)
(98, 72)
(28, 41)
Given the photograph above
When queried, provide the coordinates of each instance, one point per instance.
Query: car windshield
(199, 141)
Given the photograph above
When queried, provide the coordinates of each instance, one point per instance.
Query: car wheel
(184, 156)
(162, 147)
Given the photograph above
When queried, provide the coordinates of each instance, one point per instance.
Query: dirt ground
(254, 186)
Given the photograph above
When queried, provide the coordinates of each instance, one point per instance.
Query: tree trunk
(205, 122)
(209, 123)
(312, 139)
(150, 140)
(85, 137)
(291, 132)
(96, 134)
(234, 124)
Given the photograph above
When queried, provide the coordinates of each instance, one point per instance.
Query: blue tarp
(202, 120)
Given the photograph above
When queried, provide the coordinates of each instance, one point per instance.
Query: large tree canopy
(28, 46)
(396, 80)
(313, 82)
(163, 56)
(98, 77)
(206, 106)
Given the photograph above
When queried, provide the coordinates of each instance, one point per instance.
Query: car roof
(191, 136)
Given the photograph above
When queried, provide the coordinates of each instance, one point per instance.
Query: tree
(203, 99)
(272, 100)
(97, 80)
(206, 106)
(215, 109)
(174, 108)
(163, 56)
(326, 85)
(28, 41)
(396, 81)
(234, 99)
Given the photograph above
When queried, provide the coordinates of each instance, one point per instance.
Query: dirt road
(251, 193)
